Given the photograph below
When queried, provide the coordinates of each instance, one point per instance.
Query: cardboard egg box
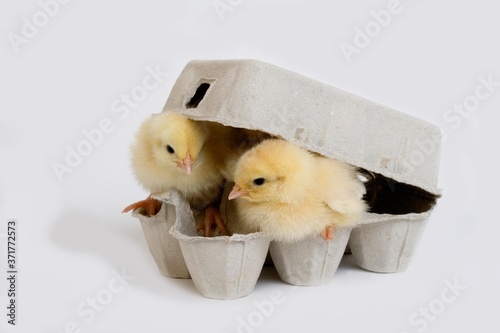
(398, 153)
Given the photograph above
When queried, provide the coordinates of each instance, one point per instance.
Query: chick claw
(212, 216)
(150, 205)
(327, 234)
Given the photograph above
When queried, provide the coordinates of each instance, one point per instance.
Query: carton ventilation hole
(198, 96)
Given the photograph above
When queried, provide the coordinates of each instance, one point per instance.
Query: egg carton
(398, 153)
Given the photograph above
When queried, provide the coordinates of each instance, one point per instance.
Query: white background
(71, 234)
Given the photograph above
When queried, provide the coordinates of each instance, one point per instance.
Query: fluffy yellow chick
(174, 152)
(290, 193)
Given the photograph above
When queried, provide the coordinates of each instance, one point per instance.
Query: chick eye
(258, 181)
(170, 149)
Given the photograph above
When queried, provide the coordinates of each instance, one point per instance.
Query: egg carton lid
(337, 124)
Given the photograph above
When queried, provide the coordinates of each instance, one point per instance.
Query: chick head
(176, 140)
(274, 171)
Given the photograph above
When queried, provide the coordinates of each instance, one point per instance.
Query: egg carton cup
(312, 261)
(402, 150)
(386, 243)
(222, 267)
(164, 248)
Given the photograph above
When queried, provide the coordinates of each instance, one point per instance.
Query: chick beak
(237, 192)
(186, 164)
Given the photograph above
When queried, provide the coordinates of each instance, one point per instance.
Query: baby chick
(174, 152)
(290, 193)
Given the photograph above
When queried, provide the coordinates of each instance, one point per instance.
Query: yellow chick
(290, 193)
(174, 152)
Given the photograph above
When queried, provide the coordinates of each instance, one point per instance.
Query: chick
(290, 193)
(175, 152)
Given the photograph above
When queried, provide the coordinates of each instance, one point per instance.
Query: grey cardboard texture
(318, 117)
(222, 267)
(164, 247)
(312, 261)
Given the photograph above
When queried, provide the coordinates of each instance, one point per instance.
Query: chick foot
(213, 218)
(327, 234)
(149, 205)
